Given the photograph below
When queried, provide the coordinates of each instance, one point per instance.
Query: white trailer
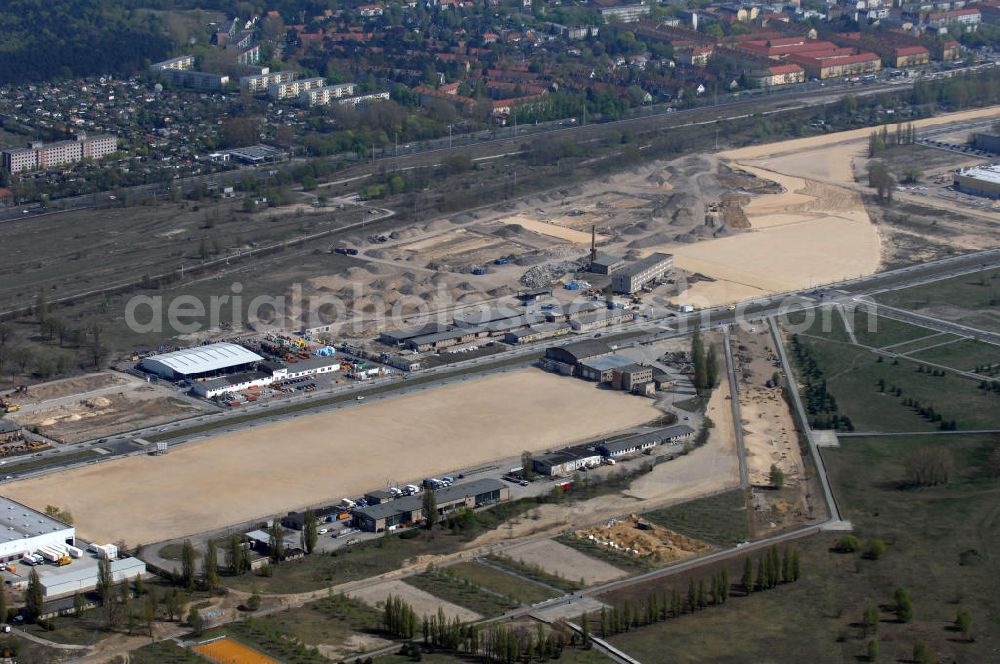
(49, 554)
(74, 552)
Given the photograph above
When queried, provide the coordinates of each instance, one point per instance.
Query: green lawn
(463, 592)
(164, 652)
(879, 331)
(923, 342)
(329, 621)
(819, 321)
(967, 299)
(536, 573)
(570, 655)
(964, 355)
(942, 544)
(526, 592)
(852, 374)
(720, 520)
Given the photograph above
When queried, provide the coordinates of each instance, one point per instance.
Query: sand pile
(642, 539)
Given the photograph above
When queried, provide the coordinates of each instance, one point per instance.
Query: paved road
(734, 392)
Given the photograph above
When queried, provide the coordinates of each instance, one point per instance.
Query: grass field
(719, 519)
(964, 355)
(824, 322)
(622, 561)
(351, 563)
(164, 652)
(329, 622)
(535, 573)
(945, 560)
(852, 374)
(923, 342)
(570, 655)
(880, 331)
(969, 299)
(487, 577)
(463, 592)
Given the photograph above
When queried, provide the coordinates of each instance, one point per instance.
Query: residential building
(180, 63)
(322, 96)
(196, 80)
(40, 156)
(261, 82)
(785, 74)
(292, 89)
(966, 19)
(624, 13)
(633, 277)
(360, 101)
(824, 66)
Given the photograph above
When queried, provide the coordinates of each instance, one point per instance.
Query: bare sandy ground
(423, 603)
(712, 467)
(542, 228)
(563, 561)
(802, 145)
(812, 233)
(271, 469)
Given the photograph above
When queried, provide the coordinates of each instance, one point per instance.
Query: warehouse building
(602, 369)
(979, 181)
(82, 575)
(201, 362)
(400, 337)
(643, 442)
(409, 510)
(24, 530)
(236, 382)
(574, 311)
(567, 461)
(566, 359)
(536, 333)
(601, 319)
(631, 376)
(310, 367)
(605, 264)
(632, 278)
(479, 317)
(446, 339)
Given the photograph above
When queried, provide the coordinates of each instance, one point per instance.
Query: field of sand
(542, 228)
(565, 562)
(707, 469)
(769, 434)
(309, 460)
(423, 603)
(812, 233)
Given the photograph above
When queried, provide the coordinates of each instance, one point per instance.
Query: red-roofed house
(831, 65)
(778, 75)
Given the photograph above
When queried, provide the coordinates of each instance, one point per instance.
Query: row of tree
(773, 569)
(706, 364)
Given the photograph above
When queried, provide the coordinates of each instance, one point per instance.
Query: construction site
(96, 406)
(633, 536)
